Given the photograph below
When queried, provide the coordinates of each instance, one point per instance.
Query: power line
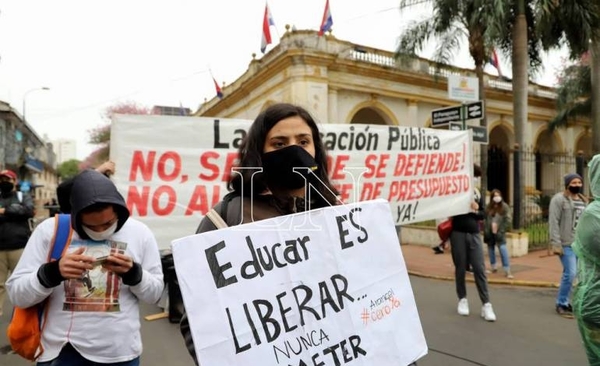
(369, 14)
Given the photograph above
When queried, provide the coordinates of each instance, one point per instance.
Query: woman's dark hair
(251, 150)
(494, 208)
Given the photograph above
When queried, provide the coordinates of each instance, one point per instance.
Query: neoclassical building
(342, 82)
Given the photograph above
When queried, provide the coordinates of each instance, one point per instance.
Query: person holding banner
(465, 242)
(282, 152)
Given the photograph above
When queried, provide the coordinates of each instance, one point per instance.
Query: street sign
(443, 116)
(475, 110)
(479, 133)
(455, 126)
(462, 88)
(440, 117)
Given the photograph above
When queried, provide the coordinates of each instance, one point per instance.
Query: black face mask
(278, 167)
(574, 189)
(6, 187)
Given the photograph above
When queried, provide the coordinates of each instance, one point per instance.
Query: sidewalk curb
(494, 281)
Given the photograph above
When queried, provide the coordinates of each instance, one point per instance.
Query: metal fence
(542, 177)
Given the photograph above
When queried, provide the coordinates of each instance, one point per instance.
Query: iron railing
(542, 177)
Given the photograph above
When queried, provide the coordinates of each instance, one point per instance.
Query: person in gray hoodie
(566, 208)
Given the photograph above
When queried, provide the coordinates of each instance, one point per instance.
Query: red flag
(327, 21)
(218, 89)
(266, 31)
(494, 61)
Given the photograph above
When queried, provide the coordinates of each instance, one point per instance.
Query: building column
(332, 96)
(569, 140)
(411, 115)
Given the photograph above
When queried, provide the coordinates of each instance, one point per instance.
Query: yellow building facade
(342, 82)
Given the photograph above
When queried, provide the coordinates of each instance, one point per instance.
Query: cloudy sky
(93, 54)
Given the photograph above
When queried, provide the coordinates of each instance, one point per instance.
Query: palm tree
(534, 25)
(520, 89)
(478, 22)
(521, 44)
(483, 24)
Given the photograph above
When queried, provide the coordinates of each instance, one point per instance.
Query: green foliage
(571, 23)
(68, 169)
(575, 24)
(506, 36)
(486, 24)
(539, 235)
(453, 23)
(574, 92)
(100, 135)
(543, 201)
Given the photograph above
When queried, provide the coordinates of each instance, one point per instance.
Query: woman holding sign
(284, 141)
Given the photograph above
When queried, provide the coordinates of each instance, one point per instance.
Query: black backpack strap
(225, 203)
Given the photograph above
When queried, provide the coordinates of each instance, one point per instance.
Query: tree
(520, 27)
(480, 22)
(573, 95)
(521, 43)
(100, 136)
(575, 24)
(535, 25)
(68, 169)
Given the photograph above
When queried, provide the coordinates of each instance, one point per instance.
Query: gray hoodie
(560, 220)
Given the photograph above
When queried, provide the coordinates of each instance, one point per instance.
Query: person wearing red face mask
(565, 210)
(16, 208)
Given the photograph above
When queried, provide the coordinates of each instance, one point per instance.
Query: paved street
(527, 332)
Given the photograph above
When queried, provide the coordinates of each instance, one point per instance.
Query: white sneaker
(487, 312)
(463, 307)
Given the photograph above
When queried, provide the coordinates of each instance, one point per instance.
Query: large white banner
(326, 287)
(172, 170)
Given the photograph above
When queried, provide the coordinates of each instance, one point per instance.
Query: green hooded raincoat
(586, 299)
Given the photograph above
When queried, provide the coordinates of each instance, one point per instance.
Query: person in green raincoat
(586, 299)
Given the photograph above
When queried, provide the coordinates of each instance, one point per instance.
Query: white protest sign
(172, 170)
(324, 294)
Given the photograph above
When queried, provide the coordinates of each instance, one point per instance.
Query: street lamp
(25, 97)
